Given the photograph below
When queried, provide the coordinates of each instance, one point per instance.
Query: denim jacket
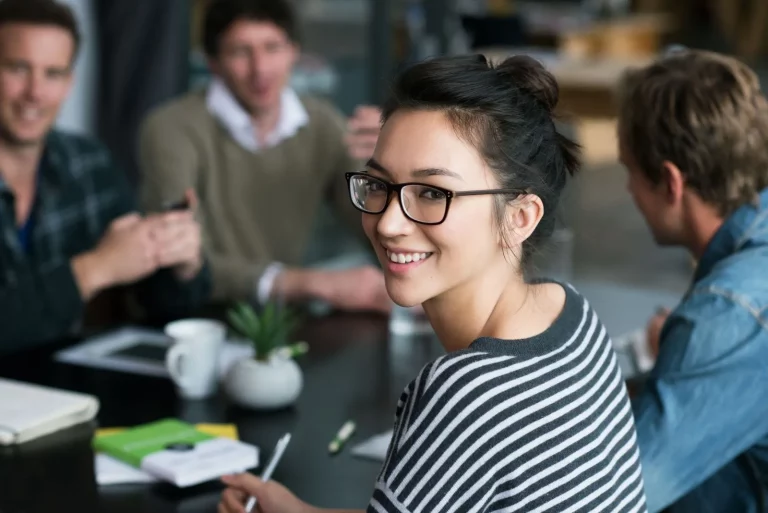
(702, 417)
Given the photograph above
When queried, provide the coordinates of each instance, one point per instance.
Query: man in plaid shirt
(69, 228)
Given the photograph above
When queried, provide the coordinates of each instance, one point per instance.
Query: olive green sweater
(255, 208)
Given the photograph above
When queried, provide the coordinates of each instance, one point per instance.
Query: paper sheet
(375, 448)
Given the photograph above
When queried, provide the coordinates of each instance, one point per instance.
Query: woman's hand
(272, 497)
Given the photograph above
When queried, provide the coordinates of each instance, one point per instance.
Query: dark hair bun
(531, 77)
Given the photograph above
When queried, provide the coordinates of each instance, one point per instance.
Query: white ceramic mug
(193, 359)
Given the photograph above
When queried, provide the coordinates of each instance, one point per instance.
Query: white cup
(193, 360)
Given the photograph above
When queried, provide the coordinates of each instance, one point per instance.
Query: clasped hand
(135, 247)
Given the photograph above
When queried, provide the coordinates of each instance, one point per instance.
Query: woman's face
(420, 261)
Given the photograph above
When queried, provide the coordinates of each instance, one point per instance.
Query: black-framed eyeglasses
(421, 203)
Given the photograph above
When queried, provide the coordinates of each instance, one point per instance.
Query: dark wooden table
(353, 371)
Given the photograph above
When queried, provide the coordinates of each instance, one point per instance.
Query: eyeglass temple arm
(490, 191)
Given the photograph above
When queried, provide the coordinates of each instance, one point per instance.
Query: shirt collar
(747, 226)
(224, 107)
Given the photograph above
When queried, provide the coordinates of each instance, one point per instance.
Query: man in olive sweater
(261, 160)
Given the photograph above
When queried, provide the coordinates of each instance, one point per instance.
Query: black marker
(179, 205)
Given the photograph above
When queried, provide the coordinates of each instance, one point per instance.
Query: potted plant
(271, 379)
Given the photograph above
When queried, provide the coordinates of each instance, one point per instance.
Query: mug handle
(173, 363)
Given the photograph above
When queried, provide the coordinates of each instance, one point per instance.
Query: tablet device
(139, 350)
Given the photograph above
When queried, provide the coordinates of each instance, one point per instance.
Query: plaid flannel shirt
(79, 193)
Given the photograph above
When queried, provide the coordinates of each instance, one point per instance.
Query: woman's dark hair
(220, 14)
(506, 112)
(41, 12)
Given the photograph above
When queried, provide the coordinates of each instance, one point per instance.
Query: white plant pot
(268, 385)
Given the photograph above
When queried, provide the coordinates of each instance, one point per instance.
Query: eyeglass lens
(421, 203)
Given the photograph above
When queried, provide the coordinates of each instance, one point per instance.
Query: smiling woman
(527, 411)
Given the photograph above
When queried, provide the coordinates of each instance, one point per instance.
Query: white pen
(276, 455)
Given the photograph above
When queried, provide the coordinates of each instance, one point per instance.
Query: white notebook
(30, 411)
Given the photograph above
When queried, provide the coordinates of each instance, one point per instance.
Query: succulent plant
(267, 331)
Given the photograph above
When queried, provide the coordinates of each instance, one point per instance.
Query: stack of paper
(111, 471)
(215, 454)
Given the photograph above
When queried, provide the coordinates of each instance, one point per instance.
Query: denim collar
(747, 226)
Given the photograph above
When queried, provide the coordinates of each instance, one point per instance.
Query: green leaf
(268, 330)
(239, 325)
(246, 314)
(250, 316)
(269, 314)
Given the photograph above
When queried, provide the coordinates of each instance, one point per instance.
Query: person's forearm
(296, 284)
(89, 273)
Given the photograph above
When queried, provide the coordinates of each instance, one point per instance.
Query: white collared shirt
(225, 108)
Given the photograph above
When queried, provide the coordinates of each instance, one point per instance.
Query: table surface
(354, 370)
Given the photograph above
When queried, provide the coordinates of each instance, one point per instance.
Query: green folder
(133, 445)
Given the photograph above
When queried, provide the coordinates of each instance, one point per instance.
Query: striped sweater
(535, 425)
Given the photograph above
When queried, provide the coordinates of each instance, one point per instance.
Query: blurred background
(147, 52)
